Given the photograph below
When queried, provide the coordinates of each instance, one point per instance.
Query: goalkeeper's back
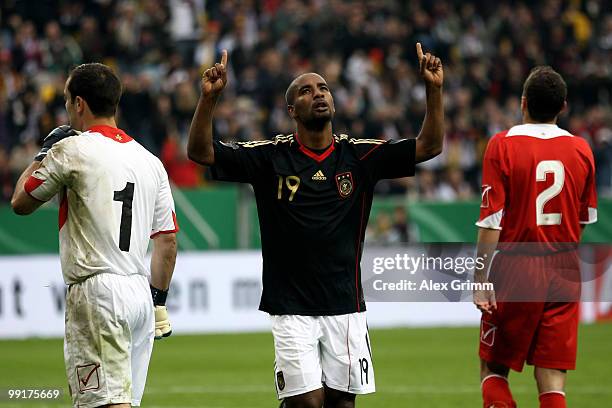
(114, 195)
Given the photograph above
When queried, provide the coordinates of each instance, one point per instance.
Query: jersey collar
(113, 133)
(319, 157)
(539, 130)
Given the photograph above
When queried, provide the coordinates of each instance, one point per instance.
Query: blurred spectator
(390, 228)
(382, 233)
(364, 48)
(454, 187)
(59, 52)
(22, 157)
(181, 171)
(90, 40)
(162, 121)
(400, 224)
(427, 185)
(6, 178)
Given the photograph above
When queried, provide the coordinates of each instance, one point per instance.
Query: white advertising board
(212, 292)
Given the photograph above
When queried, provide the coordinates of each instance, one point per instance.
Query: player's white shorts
(110, 326)
(312, 350)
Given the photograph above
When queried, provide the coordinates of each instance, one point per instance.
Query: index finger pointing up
(224, 58)
(419, 51)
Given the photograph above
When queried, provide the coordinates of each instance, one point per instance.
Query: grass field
(414, 368)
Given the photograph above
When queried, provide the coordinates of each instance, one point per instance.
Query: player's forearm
(200, 146)
(487, 243)
(20, 200)
(163, 260)
(431, 137)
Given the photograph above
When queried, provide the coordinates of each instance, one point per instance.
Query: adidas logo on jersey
(319, 176)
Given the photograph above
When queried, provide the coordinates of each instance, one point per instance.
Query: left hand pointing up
(430, 68)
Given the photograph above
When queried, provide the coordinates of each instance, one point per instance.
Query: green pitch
(414, 368)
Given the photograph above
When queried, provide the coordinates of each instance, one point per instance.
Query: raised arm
(430, 139)
(200, 146)
(22, 203)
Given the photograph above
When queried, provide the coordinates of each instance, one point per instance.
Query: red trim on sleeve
(370, 151)
(164, 232)
(112, 133)
(63, 209)
(176, 227)
(32, 183)
(313, 155)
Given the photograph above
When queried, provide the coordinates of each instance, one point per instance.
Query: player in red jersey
(538, 192)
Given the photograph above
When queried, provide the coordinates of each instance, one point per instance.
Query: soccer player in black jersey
(314, 192)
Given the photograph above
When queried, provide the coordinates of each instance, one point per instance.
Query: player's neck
(98, 121)
(528, 121)
(535, 122)
(315, 139)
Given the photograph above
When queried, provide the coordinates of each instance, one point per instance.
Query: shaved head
(310, 102)
(295, 84)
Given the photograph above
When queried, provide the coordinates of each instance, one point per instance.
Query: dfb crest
(345, 184)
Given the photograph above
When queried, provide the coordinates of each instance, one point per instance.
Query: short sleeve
(164, 217)
(53, 173)
(390, 159)
(494, 180)
(239, 161)
(588, 199)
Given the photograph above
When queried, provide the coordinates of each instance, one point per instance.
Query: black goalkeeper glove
(162, 323)
(57, 134)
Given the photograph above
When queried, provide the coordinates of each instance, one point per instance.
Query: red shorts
(538, 331)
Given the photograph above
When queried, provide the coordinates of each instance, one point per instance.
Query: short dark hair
(98, 85)
(546, 92)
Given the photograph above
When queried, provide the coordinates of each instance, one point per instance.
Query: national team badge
(280, 380)
(344, 181)
(487, 333)
(87, 376)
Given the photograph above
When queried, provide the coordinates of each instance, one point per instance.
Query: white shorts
(110, 326)
(314, 350)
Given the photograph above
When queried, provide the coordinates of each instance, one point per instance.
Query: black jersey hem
(276, 312)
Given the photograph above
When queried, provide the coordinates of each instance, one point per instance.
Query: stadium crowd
(365, 50)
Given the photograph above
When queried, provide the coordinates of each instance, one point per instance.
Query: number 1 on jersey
(125, 196)
(556, 168)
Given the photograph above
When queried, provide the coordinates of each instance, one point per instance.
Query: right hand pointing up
(214, 79)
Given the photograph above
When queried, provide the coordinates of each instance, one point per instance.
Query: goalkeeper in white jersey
(114, 196)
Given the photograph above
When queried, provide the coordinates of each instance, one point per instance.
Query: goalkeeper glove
(162, 323)
(57, 134)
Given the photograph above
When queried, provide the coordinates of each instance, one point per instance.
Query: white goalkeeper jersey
(114, 196)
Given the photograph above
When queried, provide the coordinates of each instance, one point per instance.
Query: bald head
(297, 82)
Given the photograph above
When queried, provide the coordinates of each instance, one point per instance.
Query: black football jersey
(313, 209)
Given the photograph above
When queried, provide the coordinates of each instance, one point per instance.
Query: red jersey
(538, 185)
